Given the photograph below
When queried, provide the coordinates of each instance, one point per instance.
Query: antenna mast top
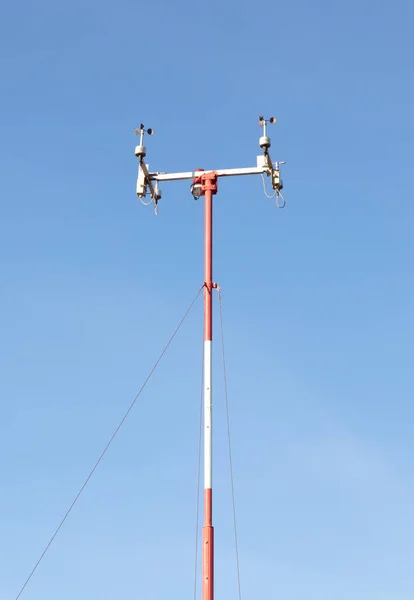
(148, 182)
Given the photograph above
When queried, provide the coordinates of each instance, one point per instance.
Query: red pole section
(208, 266)
(209, 187)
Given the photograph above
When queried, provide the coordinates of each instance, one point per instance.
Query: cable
(229, 442)
(108, 445)
(146, 203)
(279, 194)
(276, 194)
(265, 190)
(198, 478)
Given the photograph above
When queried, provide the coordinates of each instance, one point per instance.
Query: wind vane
(204, 183)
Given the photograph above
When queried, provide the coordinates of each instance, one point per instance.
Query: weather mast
(204, 184)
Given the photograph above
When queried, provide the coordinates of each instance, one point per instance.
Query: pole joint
(211, 286)
(209, 182)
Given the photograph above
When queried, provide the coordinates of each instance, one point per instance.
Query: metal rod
(219, 173)
(147, 178)
(208, 531)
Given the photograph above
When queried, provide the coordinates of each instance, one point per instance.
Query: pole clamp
(209, 182)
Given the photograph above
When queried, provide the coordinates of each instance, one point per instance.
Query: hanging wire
(265, 190)
(154, 202)
(276, 194)
(146, 203)
(279, 194)
(108, 445)
(229, 443)
(198, 478)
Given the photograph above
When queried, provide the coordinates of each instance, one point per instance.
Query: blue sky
(317, 298)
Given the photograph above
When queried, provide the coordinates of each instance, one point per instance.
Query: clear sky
(318, 298)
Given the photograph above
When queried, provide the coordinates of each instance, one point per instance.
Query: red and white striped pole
(209, 188)
(205, 184)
